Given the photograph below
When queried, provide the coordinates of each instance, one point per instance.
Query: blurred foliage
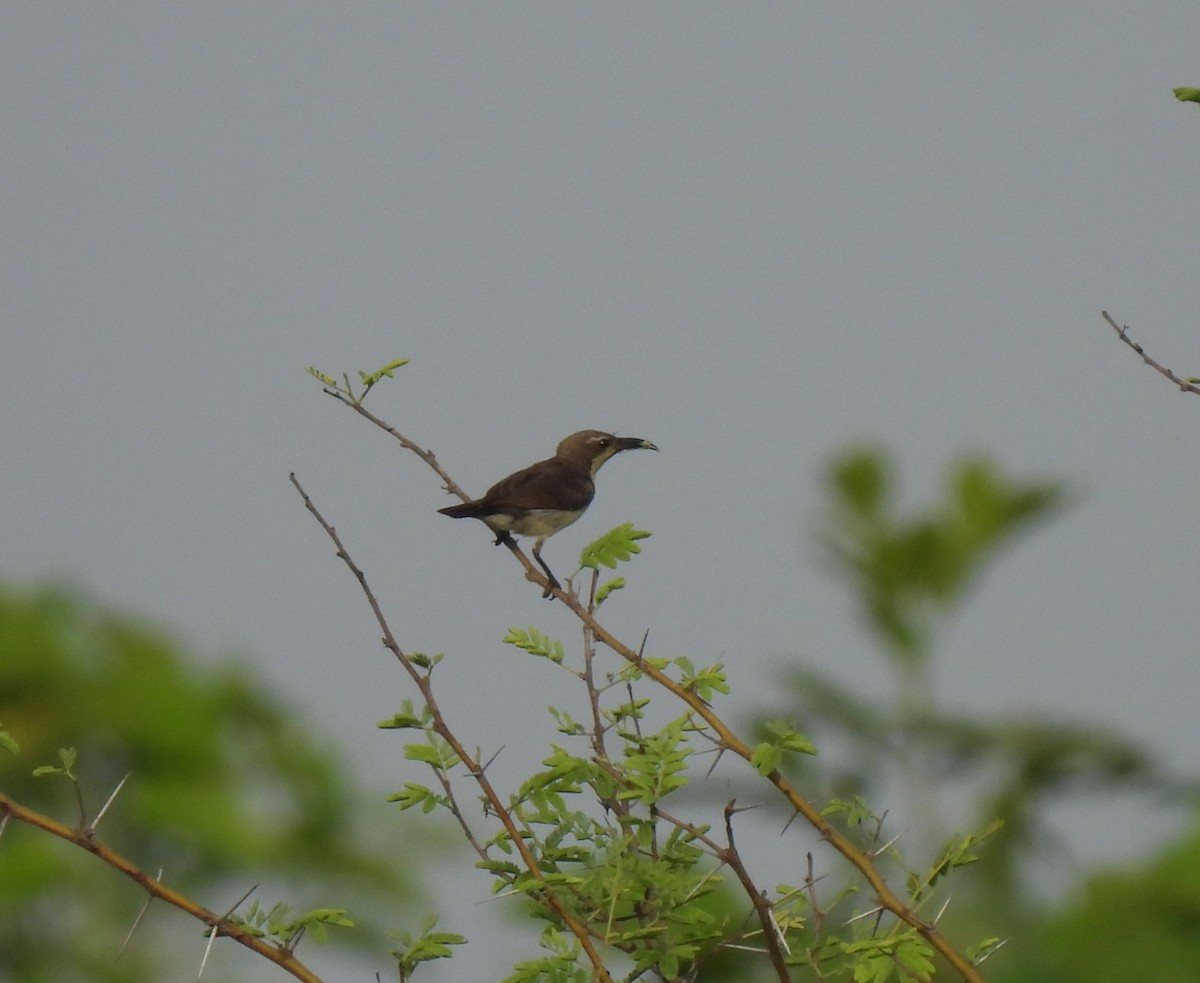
(908, 570)
(227, 786)
(911, 571)
(1140, 924)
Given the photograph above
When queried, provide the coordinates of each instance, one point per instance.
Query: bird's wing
(547, 484)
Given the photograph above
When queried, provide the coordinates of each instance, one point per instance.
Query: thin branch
(442, 729)
(455, 811)
(762, 907)
(425, 455)
(1123, 333)
(85, 841)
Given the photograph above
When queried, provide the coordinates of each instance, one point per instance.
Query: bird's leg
(553, 583)
(502, 537)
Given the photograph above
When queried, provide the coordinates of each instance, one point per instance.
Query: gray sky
(750, 233)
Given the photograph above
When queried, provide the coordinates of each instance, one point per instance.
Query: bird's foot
(552, 585)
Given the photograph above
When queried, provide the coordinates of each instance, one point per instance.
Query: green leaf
(370, 378)
(426, 946)
(416, 795)
(703, 682)
(423, 661)
(765, 758)
(786, 738)
(320, 376)
(7, 742)
(407, 718)
(439, 756)
(855, 810)
(615, 546)
(43, 770)
(401, 721)
(606, 588)
(978, 953)
(535, 643)
(1187, 94)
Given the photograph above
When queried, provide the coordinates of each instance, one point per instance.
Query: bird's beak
(634, 443)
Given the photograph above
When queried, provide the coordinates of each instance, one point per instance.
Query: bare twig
(1123, 333)
(762, 907)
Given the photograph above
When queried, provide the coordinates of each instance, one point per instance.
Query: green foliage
(781, 740)
(426, 946)
(434, 751)
(607, 588)
(1186, 94)
(904, 569)
(274, 923)
(408, 718)
(655, 764)
(1135, 924)
(616, 546)
(880, 959)
(67, 757)
(384, 371)
(911, 570)
(368, 379)
(706, 682)
(560, 966)
(7, 742)
(959, 851)
(535, 643)
(417, 795)
(226, 784)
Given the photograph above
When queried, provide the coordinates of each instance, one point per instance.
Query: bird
(548, 496)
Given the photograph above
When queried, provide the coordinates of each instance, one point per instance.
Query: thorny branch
(443, 730)
(83, 838)
(883, 895)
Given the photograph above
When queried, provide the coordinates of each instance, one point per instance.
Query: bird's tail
(467, 510)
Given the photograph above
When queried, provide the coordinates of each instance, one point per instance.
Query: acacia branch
(884, 896)
(442, 729)
(82, 838)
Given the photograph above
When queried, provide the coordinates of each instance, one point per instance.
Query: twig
(82, 839)
(1123, 334)
(775, 942)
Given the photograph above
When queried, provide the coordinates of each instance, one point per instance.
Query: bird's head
(593, 447)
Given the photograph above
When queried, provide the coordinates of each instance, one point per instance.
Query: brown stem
(282, 957)
(1123, 333)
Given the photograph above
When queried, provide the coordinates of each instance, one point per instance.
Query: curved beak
(634, 443)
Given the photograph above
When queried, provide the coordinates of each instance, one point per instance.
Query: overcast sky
(748, 232)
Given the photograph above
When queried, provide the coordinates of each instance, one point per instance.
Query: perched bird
(548, 496)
